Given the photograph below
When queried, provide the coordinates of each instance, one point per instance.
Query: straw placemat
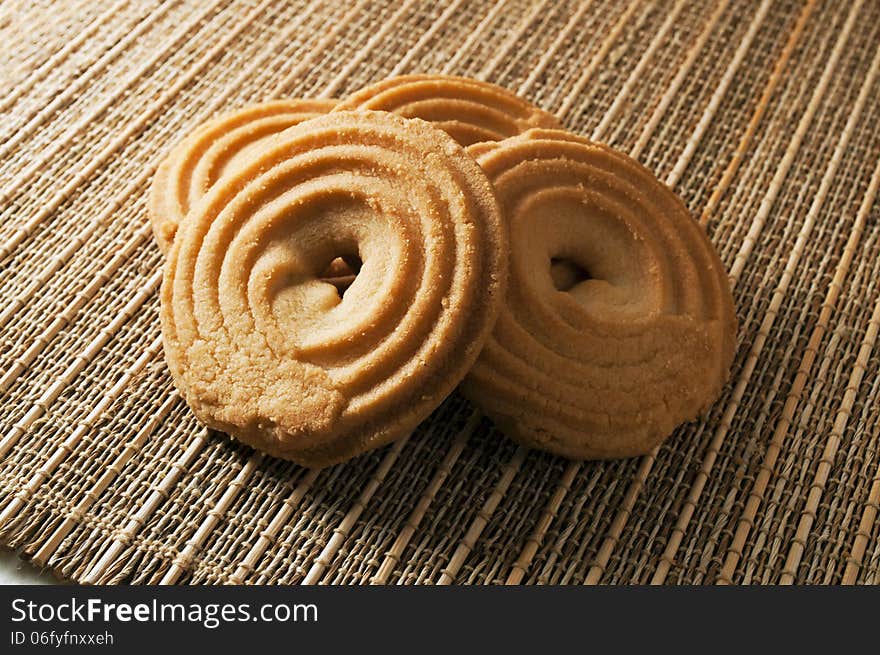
(762, 114)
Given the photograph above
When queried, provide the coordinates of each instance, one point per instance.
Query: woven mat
(762, 114)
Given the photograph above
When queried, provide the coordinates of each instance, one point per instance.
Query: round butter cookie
(618, 322)
(197, 162)
(468, 110)
(263, 349)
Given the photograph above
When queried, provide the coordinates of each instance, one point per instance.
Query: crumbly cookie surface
(470, 111)
(618, 323)
(263, 349)
(199, 160)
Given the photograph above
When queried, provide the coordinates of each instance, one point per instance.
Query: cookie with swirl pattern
(618, 323)
(265, 350)
(469, 110)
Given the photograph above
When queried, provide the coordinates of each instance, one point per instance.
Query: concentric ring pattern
(265, 350)
(197, 162)
(468, 110)
(618, 323)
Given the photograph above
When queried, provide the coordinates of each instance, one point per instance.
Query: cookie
(618, 323)
(468, 110)
(263, 349)
(195, 164)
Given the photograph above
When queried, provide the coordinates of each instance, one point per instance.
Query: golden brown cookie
(468, 110)
(264, 350)
(194, 164)
(618, 323)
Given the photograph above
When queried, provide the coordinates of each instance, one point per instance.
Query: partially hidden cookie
(468, 110)
(618, 323)
(197, 162)
(263, 349)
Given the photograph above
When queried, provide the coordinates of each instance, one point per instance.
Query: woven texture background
(762, 114)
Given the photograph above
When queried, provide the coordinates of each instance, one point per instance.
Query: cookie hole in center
(341, 272)
(567, 273)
